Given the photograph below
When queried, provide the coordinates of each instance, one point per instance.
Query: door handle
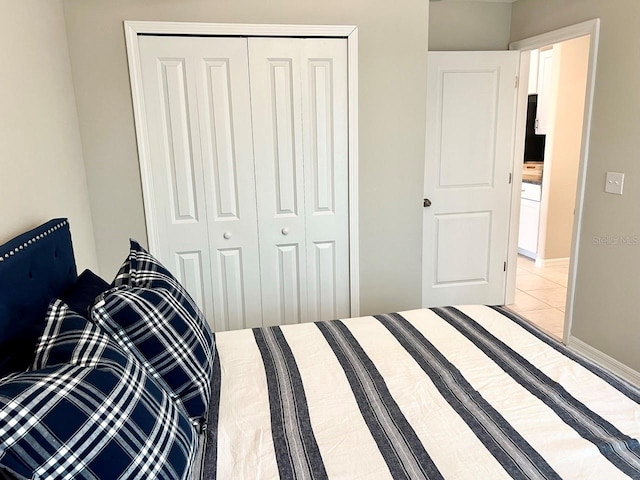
(285, 231)
(427, 203)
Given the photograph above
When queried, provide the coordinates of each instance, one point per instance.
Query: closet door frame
(349, 32)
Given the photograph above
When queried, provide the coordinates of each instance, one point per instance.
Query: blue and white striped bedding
(455, 393)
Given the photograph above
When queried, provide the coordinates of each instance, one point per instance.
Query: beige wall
(607, 301)
(463, 25)
(392, 54)
(43, 174)
(562, 160)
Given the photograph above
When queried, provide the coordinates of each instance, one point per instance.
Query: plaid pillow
(158, 329)
(70, 338)
(154, 318)
(101, 418)
(143, 270)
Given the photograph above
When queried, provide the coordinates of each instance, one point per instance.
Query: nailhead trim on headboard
(31, 241)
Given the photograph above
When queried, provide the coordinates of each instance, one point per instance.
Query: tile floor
(541, 294)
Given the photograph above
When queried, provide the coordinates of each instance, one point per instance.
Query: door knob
(226, 235)
(427, 203)
(285, 231)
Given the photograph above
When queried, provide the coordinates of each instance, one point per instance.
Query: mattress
(456, 393)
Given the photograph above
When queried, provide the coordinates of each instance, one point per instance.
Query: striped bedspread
(455, 393)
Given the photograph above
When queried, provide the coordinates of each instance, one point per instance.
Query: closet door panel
(191, 274)
(177, 134)
(278, 145)
(209, 232)
(325, 118)
(323, 282)
(218, 133)
(290, 284)
(227, 152)
(178, 188)
(284, 141)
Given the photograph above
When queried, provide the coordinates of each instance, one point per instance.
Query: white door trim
(134, 28)
(592, 28)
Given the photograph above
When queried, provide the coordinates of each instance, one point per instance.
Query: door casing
(592, 28)
(135, 28)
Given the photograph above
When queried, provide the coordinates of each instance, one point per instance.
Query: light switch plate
(614, 183)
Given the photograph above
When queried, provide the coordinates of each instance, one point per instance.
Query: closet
(248, 153)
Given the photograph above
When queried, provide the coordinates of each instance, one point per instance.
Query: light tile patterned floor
(541, 294)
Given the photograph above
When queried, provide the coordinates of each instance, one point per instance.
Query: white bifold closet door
(248, 149)
(299, 109)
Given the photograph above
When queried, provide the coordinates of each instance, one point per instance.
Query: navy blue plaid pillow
(158, 329)
(155, 318)
(143, 270)
(70, 338)
(101, 417)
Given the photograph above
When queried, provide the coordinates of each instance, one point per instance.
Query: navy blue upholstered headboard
(34, 268)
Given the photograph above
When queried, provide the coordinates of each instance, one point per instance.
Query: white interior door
(299, 110)
(471, 107)
(197, 101)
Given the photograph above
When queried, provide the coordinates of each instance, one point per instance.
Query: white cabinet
(249, 163)
(529, 220)
(545, 78)
(529, 223)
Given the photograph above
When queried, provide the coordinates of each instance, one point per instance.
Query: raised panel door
(324, 114)
(275, 72)
(199, 126)
(227, 144)
(469, 151)
(180, 213)
(299, 110)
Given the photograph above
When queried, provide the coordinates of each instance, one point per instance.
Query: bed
(454, 392)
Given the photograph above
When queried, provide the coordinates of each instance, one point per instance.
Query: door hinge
(505, 266)
(510, 177)
(517, 81)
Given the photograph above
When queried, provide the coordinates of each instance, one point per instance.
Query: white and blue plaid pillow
(98, 417)
(152, 316)
(70, 338)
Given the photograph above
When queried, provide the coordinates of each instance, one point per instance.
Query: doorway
(554, 119)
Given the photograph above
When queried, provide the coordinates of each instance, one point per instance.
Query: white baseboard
(604, 360)
(527, 253)
(541, 262)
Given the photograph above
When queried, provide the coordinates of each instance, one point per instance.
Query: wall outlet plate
(614, 183)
